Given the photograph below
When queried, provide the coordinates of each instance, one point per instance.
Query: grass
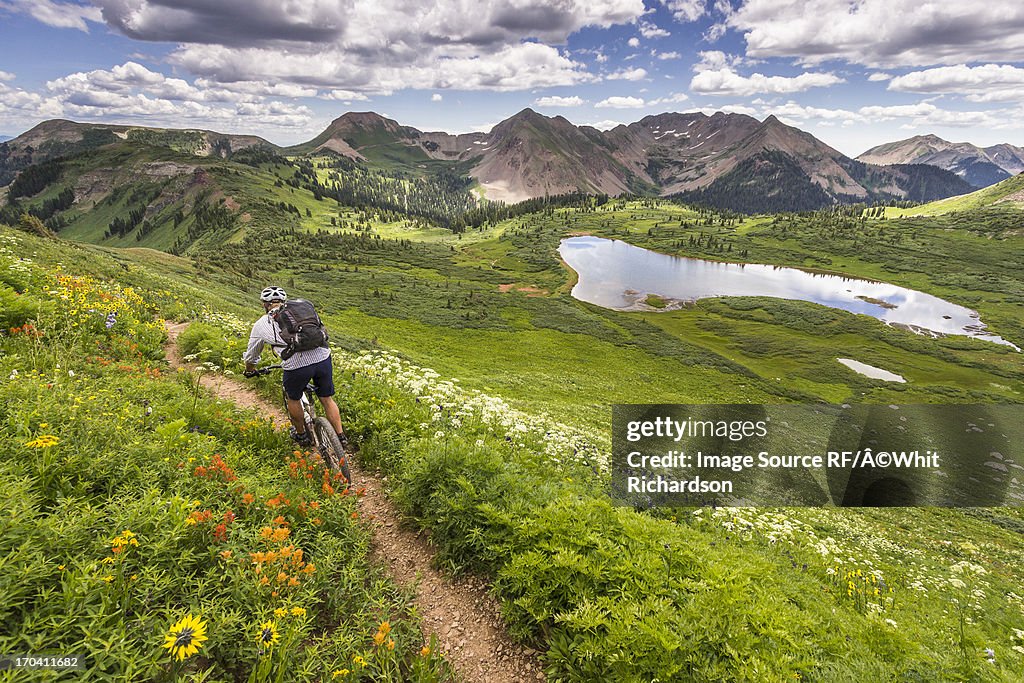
(604, 591)
(134, 502)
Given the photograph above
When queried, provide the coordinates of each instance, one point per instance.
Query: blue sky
(853, 73)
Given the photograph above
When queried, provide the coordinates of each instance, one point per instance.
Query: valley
(480, 387)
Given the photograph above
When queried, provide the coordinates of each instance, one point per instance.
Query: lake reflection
(618, 275)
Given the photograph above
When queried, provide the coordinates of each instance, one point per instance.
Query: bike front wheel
(330, 448)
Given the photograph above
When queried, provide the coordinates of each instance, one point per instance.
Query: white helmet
(273, 294)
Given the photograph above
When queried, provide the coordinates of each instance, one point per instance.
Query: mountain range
(725, 160)
(979, 166)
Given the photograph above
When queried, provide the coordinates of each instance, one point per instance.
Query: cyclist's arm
(255, 349)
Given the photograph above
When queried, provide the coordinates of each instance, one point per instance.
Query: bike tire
(330, 448)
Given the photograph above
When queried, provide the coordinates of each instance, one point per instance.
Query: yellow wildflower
(186, 637)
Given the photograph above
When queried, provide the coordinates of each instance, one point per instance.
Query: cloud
(131, 91)
(56, 14)
(515, 67)
(556, 101)
(396, 25)
(436, 97)
(605, 125)
(628, 75)
(882, 33)
(373, 47)
(729, 109)
(879, 76)
(6, 76)
(668, 55)
(674, 98)
(633, 42)
(685, 10)
(619, 102)
(926, 113)
(796, 114)
(344, 96)
(650, 30)
(726, 82)
(986, 83)
(713, 60)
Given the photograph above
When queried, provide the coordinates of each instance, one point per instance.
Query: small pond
(615, 274)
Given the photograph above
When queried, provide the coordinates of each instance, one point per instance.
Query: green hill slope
(1006, 194)
(607, 593)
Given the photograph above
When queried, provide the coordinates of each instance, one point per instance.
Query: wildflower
(280, 612)
(298, 611)
(359, 661)
(385, 627)
(378, 638)
(43, 441)
(186, 637)
(339, 672)
(268, 634)
(248, 498)
(61, 567)
(990, 655)
(424, 651)
(391, 644)
(108, 578)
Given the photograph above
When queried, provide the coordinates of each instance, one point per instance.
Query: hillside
(979, 166)
(506, 492)
(58, 137)
(1007, 194)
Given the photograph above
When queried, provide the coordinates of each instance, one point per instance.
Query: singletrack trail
(460, 612)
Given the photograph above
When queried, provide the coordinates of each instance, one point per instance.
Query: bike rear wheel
(330, 448)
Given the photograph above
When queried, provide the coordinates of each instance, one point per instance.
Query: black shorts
(322, 375)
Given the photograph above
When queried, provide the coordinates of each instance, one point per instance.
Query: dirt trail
(460, 612)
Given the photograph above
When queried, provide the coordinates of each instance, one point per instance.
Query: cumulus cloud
(56, 14)
(343, 95)
(436, 97)
(673, 98)
(685, 10)
(373, 47)
(650, 30)
(556, 101)
(924, 115)
(628, 75)
(726, 82)
(882, 33)
(668, 55)
(6, 76)
(633, 42)
(607, 124)
(131, 90)
(879, 76)
(514, 67)
(985, 83)
(620, 102)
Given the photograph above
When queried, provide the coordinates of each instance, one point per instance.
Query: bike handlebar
(267, 370)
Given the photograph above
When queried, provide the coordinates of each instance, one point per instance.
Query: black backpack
(301, 328)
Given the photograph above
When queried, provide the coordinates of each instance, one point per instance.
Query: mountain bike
(325, 439)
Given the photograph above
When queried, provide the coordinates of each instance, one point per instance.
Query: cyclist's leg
(323, 379)
(298, 420)
(294, 384)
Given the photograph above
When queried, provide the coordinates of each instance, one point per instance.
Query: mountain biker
(299, 368)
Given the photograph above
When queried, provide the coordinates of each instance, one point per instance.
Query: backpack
(301, 328)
